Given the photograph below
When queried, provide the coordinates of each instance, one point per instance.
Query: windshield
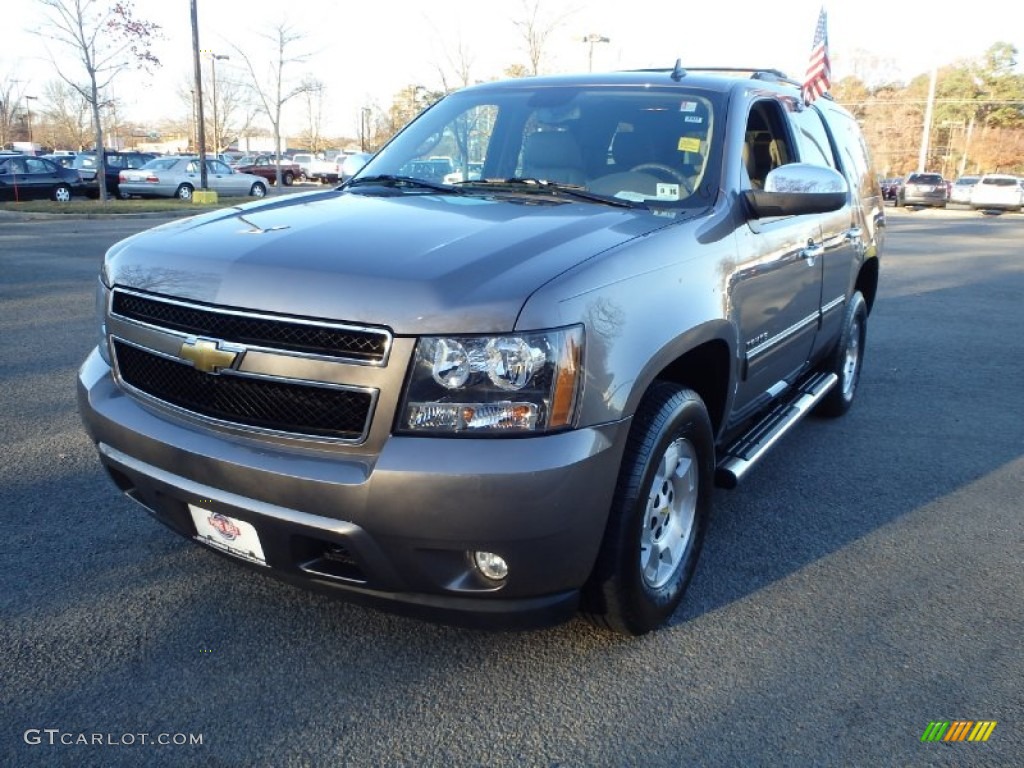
(657, 146)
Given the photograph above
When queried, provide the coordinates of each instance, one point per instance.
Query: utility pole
(922, 158)
(200, 131)
(967, 145)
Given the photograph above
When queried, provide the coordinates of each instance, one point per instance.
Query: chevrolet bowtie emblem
(207, 356)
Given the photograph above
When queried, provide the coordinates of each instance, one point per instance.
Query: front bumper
(393, 529)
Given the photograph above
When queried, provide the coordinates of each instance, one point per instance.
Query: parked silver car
(960, 192)
(179, 177)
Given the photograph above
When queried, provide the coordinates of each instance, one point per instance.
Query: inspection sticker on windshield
(688, 106)
(228, 534)
(666, 191)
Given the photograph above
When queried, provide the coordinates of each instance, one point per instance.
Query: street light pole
(214, 58)
(28, 110)
(591, 39)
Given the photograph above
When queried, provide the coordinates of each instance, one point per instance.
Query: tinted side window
(35, 165)
(767, 143)
(812, 138)
(854, 156)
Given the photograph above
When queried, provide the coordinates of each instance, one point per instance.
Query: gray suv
(503, 400)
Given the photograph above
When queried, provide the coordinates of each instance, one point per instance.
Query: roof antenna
(678, 73)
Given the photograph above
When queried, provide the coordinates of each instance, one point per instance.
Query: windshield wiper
(555, 188)
(402, 181)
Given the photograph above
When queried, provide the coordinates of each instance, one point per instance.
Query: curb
(38, 216)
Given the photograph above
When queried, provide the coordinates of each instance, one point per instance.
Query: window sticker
(666, 191)
(688, 106)
(688, 144)
(694, 119)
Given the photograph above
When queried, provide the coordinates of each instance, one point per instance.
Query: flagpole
(922, 158)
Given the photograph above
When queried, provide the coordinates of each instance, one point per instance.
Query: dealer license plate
(228, 534)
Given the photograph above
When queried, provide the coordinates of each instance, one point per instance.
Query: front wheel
(288, 179)
(847, 358)
(658, 515)
(62, 193)
(259, 189)
(184, 192)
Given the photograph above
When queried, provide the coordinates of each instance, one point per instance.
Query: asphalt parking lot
(866, 580)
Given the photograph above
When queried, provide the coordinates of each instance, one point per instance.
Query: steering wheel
(667, 170)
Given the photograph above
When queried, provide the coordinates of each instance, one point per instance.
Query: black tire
(846, 359)
(61, 193)
(184, 192)
(653, 537)
(259, 189)
(288, 179)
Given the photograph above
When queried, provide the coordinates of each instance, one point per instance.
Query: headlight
(514, 383)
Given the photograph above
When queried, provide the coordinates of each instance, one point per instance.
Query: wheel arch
(867, 282)
(702, 360)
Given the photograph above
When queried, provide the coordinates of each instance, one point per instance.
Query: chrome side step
(741, 456)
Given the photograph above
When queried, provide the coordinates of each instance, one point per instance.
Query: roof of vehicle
(708, 78)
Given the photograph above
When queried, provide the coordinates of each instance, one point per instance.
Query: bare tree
(68, 114)
(106, 39)
(270, 86)
(456, 68)
(10, 98)
(535, 31)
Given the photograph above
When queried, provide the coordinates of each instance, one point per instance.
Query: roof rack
(754, 73)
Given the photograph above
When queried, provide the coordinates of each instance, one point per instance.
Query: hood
(415, 263)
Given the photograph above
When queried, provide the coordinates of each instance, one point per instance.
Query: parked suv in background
(923, 189)
(86, 164)
(507, 399)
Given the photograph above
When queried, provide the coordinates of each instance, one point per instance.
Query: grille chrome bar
(308, 336)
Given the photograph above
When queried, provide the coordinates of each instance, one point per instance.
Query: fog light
(490, 565)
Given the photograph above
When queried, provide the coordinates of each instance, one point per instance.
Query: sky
(364, 52)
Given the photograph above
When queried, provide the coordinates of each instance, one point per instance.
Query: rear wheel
(61, 193)
(847, 359)
(184, 192)
(658, 516)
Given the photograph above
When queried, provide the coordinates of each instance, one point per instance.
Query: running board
(741, 456)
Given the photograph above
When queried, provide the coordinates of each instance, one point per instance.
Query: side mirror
(796, 189)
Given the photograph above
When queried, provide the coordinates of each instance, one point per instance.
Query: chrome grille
(308, 336)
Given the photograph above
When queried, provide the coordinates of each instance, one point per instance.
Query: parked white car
(997, 191)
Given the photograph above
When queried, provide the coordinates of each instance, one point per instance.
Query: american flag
(819, 70)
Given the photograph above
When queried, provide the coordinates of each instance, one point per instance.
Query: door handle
(812, 252)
